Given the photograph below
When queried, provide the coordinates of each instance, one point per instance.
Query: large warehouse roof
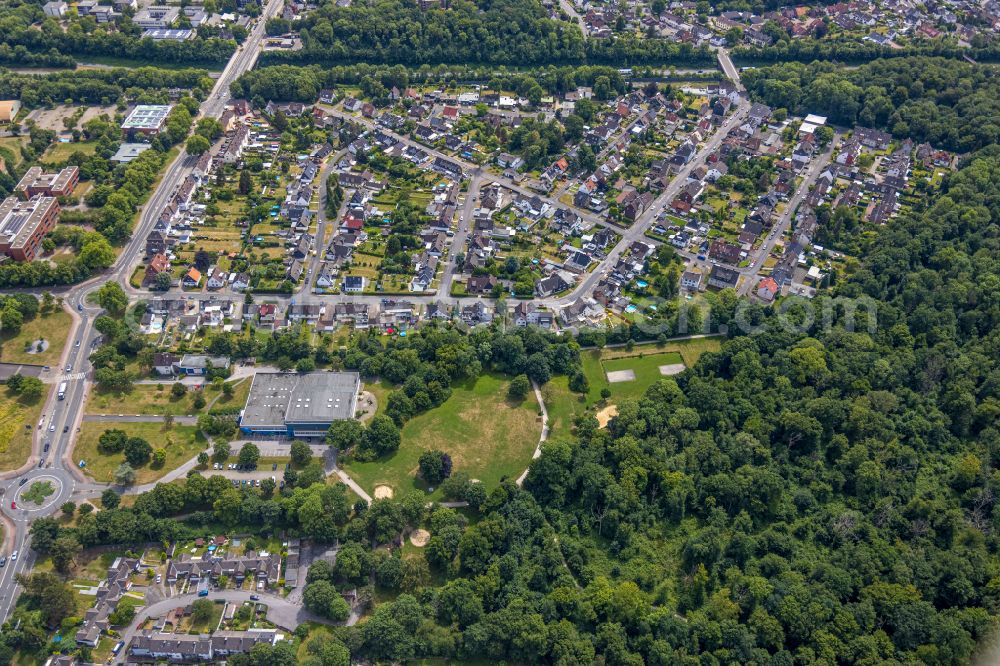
(280, 398)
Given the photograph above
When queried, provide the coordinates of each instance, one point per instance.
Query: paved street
(66, 414)
(817, 166)
(638, 230)
(281, 612)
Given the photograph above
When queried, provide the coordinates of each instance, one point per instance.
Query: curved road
(279, 611)
(63, 416)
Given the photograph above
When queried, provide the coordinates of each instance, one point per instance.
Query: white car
(13, 556)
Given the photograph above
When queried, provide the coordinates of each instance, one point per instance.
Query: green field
(58, 153)
(644, 360)
(180, 441)
(487, 437)
(157, 399)
(52, 327)
(563, 406)
(17, 423)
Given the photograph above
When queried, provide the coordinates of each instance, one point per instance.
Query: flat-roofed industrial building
(299, 404)
(147, 118)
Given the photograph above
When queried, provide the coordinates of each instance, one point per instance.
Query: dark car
(274, 466)
(65, 429)
(46, 449)
(22, 482)
(254, 597)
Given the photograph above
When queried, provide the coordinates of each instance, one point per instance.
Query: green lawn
(142, 399)
(563, 406)
(60, 152)
(209, 625)
(17, 423)
(487, 437)
(157, 399)
(644, 360)
(52, 327)
(646, 369)
(181, 443)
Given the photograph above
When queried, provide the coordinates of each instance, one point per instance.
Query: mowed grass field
(52, 327)
(643, 360)
(180, 442)
(157, 399)
(17, 425)
(58, 153)
(486, 436)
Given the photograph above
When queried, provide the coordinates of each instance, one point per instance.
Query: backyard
(487, 437)
(181, 443)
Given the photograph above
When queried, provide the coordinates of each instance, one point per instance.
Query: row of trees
(303, 83)
(97, 86)
(855, 51)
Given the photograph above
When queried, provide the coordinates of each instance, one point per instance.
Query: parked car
(254, 597)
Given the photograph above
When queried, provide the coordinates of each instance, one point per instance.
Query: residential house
(723, 278)
(767, 289)
(191, 279)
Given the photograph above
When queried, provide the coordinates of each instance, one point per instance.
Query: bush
(519, 387)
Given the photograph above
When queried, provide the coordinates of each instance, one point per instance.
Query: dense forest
(854, 51)
(508, 32)
(818, 496)
(952, 105)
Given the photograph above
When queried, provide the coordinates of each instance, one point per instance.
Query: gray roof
(279, 398)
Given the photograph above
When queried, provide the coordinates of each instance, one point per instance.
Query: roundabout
(40, 493)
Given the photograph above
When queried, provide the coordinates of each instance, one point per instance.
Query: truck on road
(62, 390)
